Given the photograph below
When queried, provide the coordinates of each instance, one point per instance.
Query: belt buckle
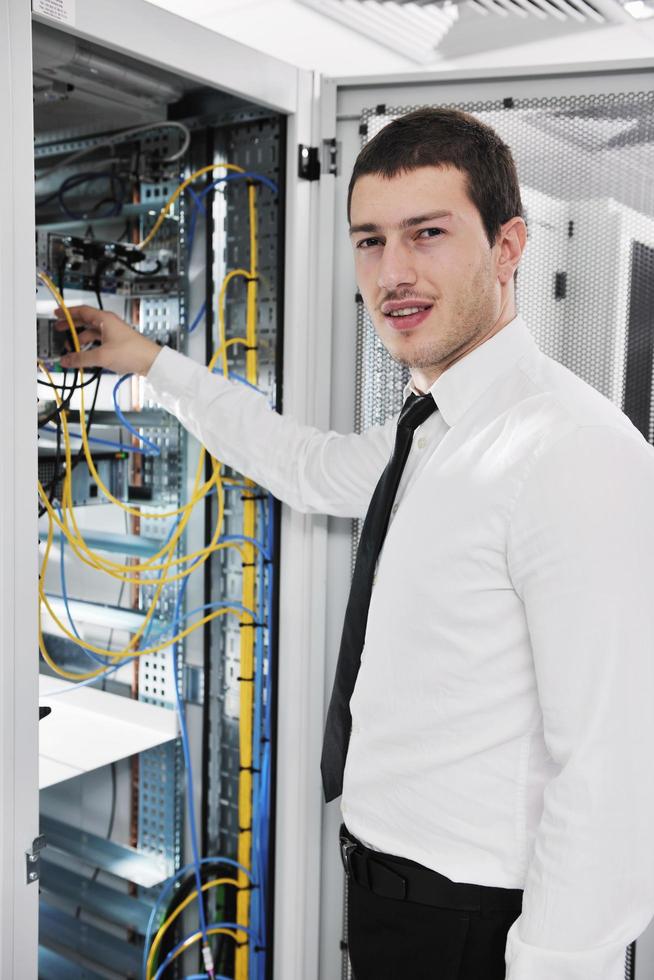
(347, 849)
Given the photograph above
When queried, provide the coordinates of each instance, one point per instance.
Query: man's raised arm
(312, 471)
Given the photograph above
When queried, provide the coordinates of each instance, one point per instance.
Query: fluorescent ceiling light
(639, 9)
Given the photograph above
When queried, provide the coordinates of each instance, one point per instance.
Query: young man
(496, 660)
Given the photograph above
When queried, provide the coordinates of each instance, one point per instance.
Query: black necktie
(415, 410)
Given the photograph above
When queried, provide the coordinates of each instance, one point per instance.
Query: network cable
(231, 929)
(168, 889)
(252, 651)
(121, 137)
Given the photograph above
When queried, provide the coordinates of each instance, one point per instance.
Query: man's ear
(511, 240)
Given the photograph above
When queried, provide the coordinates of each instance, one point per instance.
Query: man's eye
(368, 242)
(430, 233)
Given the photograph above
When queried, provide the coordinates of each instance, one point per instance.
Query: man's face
(425, 269)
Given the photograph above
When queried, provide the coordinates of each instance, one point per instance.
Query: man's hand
(122, 349)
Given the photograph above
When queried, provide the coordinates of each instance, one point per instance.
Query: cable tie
(254, 496)
(253, 625)
(245, 830)
(248, 769)
(248, 564)
(245, 942)
(246, 680)
(260, 949)
(251, 347)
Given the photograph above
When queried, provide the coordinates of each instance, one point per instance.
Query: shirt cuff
(173, 374)
(526, 962)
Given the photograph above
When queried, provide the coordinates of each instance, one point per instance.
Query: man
(498, 796)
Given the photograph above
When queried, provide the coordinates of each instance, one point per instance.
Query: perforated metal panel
(586, 282)
(585, 166)
(160, 795)
(255, 146)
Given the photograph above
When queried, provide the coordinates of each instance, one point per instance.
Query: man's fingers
(84, 359)
(84, 337)
(88, 315)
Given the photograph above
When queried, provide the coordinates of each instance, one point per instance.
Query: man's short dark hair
(439, 137)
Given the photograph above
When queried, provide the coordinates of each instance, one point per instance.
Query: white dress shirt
(503, 715)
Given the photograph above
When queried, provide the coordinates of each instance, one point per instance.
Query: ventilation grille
(416, 28)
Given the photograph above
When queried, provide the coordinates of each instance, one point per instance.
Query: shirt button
(394, 509)
(422, 442)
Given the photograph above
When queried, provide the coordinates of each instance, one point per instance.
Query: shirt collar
(460, 385)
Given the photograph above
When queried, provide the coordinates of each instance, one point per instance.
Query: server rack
(318, 288)
(241, 106)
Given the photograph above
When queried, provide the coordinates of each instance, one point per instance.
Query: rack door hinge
(308, 162)
(309, 167)
(33, 859)
(332, 154)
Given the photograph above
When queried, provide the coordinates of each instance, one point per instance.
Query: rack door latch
(33, 859)
(308, 167)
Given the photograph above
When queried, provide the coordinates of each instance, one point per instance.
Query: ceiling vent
(417, 28)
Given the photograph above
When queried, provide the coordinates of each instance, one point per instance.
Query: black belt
(404, 880)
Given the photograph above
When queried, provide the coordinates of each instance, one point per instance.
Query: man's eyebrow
(417, 219)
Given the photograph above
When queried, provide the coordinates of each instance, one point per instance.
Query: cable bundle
(167, 568)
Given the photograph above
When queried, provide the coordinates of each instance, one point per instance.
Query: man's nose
(396, 268)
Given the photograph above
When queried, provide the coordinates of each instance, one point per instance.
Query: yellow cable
(106, 564)
(171, 918)
(136, 511)
(246, 734)
(182, 187)
(198, 935)
(129, 650)
(91, 558)
(222, 342)
(113, 568)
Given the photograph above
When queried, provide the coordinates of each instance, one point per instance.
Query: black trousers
(395, 938)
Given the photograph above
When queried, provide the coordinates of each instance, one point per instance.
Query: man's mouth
(407, 315)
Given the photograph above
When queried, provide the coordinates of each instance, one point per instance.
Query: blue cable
(126, 660)
(262, 800)
(189, 768)
(177, 617)
(197, 198)
(180, 946)
(252, 541)
(197, 862)
(154, 450)
(89, 680)
(64, 595)
(205, 976)
(167, 891)
(103, 442)
(198, 206)
(267, 736)
(201, 312)
(257, 802)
